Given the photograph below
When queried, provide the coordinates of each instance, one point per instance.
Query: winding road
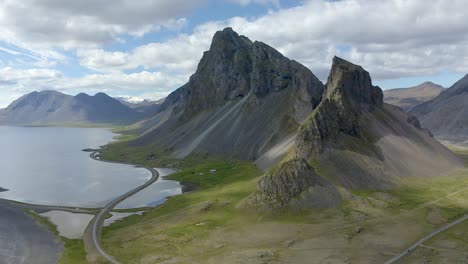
(424, 239)
(92, 235)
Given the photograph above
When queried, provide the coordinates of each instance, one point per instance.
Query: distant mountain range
(147, 107)
(52, 107)
(447, 114)
(135, 102)
(406, 98)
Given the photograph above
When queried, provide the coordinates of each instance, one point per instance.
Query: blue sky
(146, 49)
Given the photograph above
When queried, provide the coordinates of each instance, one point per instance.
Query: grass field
(211, 225)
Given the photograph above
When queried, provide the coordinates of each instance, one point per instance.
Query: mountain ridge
(243, 90)
(52, 107)
(406, 98)
(352, 140)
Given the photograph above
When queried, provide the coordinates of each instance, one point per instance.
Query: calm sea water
(45, 165)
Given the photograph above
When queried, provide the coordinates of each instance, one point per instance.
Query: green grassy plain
(212, 225)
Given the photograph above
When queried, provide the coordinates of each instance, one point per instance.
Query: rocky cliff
(349, 93)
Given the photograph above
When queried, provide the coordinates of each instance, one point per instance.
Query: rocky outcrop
(285, 185)
(349, 92)
(356, 142)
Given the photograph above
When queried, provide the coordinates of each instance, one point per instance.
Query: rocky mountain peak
(349, 93)
(228, 40)
(235, 68)
(350, 84)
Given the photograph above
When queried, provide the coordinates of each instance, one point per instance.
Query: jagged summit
(235, 67)
(353, 84)
(244, 98)
(351, 140)
(228, 39)
(349, 92)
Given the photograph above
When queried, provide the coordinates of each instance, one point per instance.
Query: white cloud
(41, 26)
(391, 38)
(180, 54)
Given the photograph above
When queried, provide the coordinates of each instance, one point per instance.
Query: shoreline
(92, 235)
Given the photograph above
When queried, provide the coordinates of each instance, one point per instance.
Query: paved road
(93, 232)
(23, 240)
(424, 239)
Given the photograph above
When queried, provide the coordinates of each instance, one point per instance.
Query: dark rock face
(290, 180)
(350, 86)
(356, 141)
(349, 92)
(236, 67)
(244, 98)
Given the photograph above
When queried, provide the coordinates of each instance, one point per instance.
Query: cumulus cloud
(42, 25)
(391, 38)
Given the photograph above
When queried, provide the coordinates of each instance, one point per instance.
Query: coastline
(93, 232)
(34, 242)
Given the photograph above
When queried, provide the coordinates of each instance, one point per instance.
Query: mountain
(135, 102)
(49, 107)
(409, 97)
(352, 140)
(244, 99)
(447, 114)
(146, 107)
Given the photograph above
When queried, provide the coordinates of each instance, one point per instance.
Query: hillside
(52, 107)
(352, 140)
(406, 98)
(446, 116)
(244, 99)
